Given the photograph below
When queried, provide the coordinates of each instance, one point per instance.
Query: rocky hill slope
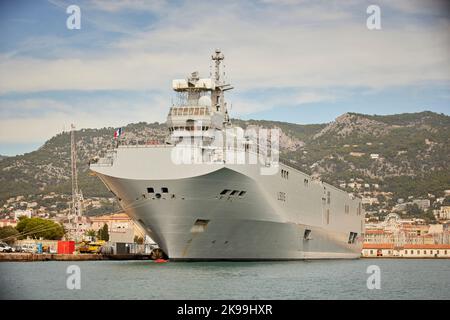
(406, 154)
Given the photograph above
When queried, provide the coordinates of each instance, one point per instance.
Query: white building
(379, 250)
(436, 228)
(369, 200)
(423, 204)
(22, 213)
(444, 212)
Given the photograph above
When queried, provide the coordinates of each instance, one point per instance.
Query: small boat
(160, 260)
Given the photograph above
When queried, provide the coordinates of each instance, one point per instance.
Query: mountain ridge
(410, 145)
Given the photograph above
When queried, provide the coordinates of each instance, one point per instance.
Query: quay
(11, 257)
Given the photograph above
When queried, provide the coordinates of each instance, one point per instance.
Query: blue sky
(289, 60)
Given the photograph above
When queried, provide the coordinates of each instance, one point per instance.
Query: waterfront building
(120, 226)
(8, 222)
(387, 250)
(76, 228)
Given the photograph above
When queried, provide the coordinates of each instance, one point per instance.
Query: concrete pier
(4, 257)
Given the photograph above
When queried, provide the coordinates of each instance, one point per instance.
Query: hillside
(406, 154)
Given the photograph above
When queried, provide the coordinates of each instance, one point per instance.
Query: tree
(446, 201)
(40, 228)
(91, 233)
(8, 234)
(413, 210)
(103, 233)
(429, 216)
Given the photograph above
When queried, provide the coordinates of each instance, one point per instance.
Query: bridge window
(225, 191)
(242, 193)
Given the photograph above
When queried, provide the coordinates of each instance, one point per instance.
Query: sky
(299, 61)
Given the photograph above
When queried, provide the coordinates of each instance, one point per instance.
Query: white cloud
(34, 126)
(313, 97)
(310, 45)
(272, 48)
(128, 5)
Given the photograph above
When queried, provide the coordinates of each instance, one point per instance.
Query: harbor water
(339, 279)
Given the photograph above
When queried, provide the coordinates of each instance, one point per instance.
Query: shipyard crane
(77, 196)
(76, 208)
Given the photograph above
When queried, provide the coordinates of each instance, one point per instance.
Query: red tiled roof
(405, 246)
(117, 216)
(378, 246)
(375, 231)
(426, 246)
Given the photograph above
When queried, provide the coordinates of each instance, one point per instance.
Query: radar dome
(204, 101)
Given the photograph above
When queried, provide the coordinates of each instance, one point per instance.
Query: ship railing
(129, 146)
(220, 155)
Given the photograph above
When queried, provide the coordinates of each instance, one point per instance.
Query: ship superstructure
(217, 192)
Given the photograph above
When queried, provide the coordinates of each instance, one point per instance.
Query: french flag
(117, 133)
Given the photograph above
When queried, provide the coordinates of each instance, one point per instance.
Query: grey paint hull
(257, 225)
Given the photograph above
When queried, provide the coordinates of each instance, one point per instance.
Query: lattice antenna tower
(77, 196)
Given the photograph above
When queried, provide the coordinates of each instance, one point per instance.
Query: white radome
(204, 101)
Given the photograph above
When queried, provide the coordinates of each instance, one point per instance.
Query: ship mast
(217, 95)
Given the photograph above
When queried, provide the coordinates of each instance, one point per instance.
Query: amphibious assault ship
(213, 191)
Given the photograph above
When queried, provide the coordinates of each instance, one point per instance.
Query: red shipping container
(66, 247)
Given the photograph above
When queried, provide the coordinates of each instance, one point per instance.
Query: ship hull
(192, 220)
